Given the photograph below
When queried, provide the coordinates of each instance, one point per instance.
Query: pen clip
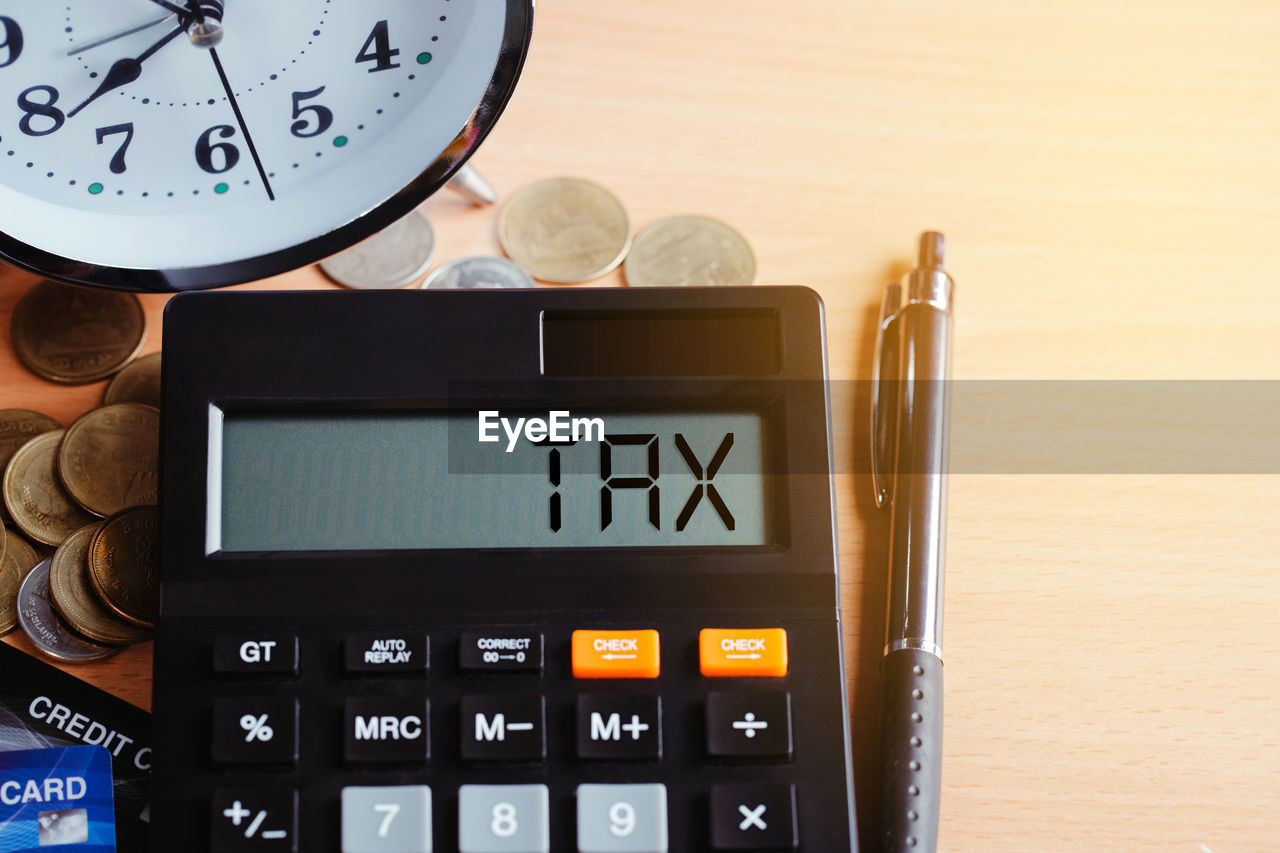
(883, 361)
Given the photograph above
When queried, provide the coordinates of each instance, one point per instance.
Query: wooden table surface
(1109, 177)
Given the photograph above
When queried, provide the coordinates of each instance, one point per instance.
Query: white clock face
(122, 146)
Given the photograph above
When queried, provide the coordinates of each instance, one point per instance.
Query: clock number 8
(205, 146)
(35, 108)
(12, 41)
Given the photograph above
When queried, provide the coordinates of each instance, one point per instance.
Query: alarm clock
(161, 145)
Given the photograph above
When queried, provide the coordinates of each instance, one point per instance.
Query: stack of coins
(97, 592)
(560, 231)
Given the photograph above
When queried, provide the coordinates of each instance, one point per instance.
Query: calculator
(499, 572)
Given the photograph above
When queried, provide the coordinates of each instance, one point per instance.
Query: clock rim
(512, 54)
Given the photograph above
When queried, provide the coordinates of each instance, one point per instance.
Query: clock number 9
(205, 146)
(323, 115)
(12, 44)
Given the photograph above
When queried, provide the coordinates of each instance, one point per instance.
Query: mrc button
(267, 653)
(387, 652)
(738, 652)
(615, 654)
(501, 652)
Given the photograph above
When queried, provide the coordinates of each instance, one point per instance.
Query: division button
(386, 729)
(501, 652)
(387, 653)
(504, 819)
(503, 729)
(622, 818)
(249, 730)
(264, 653)
(393, 819)
(753, 725)
(737, 652)
(616, 654)
(253, 820)
(619, 728)
(753, 817)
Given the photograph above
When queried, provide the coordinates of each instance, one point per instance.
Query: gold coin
(122, 564)
(75, 335)
(33, 493)
(691, 251)
(17, 427)
(138, 382)
(75, 599)
(19, 559)
(109, 457)
(565, 230)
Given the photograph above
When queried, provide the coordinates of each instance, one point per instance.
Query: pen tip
(933, 250)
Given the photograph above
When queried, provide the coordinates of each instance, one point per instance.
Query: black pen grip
(911, 751)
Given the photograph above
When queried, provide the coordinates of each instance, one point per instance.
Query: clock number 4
(377, 49)
(12, 44)
(117, 160)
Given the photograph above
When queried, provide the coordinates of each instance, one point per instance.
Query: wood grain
(1109, 177)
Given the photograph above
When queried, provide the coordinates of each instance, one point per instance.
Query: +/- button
(736, 652)
(615, 654)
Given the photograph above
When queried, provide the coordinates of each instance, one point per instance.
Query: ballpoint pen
(910, 412)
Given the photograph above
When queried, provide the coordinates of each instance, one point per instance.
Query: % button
(248, 730)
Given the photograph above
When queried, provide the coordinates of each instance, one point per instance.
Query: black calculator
(499, 572)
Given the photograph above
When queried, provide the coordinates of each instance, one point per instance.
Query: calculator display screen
(396, 480)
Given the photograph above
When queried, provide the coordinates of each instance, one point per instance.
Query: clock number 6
(205, 146)
(117, 161)
(323, 115)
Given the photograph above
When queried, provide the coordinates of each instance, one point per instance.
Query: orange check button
(615, 654)
(727, 653)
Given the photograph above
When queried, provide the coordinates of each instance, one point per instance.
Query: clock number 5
(117, 161)
(323, 115)
(377, 49)
(12, 44)
(205, 147)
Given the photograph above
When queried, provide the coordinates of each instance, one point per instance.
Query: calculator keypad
(387, 819)
(255, 730)
(622, 818)
(379, 729)
(506, 729)
(504, 819)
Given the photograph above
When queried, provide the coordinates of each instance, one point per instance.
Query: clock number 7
(117, 161)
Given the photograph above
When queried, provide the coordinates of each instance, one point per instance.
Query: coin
(19, 559)
(122, 564)
(395, 256)
(138, 382)
(75, 335)
(17, 426)
(476, 273)
(45, 628)
(690, 250)
(565, 230)
(75, 599)
(109, 457)
(33, 493)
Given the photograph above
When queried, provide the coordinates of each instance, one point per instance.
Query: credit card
(41, 706)
(58, 797)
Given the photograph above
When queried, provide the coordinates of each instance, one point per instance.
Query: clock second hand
(235, 107)
(100, 42)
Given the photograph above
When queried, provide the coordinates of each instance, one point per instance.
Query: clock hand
(125, 71)
(172, 7)
(235, 106)
(100, 42)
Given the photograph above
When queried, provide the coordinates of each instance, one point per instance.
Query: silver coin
(395, 256)
(45, 628)
(477, 273)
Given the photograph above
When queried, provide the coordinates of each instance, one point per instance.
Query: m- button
(615, 654)
(736, 652)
